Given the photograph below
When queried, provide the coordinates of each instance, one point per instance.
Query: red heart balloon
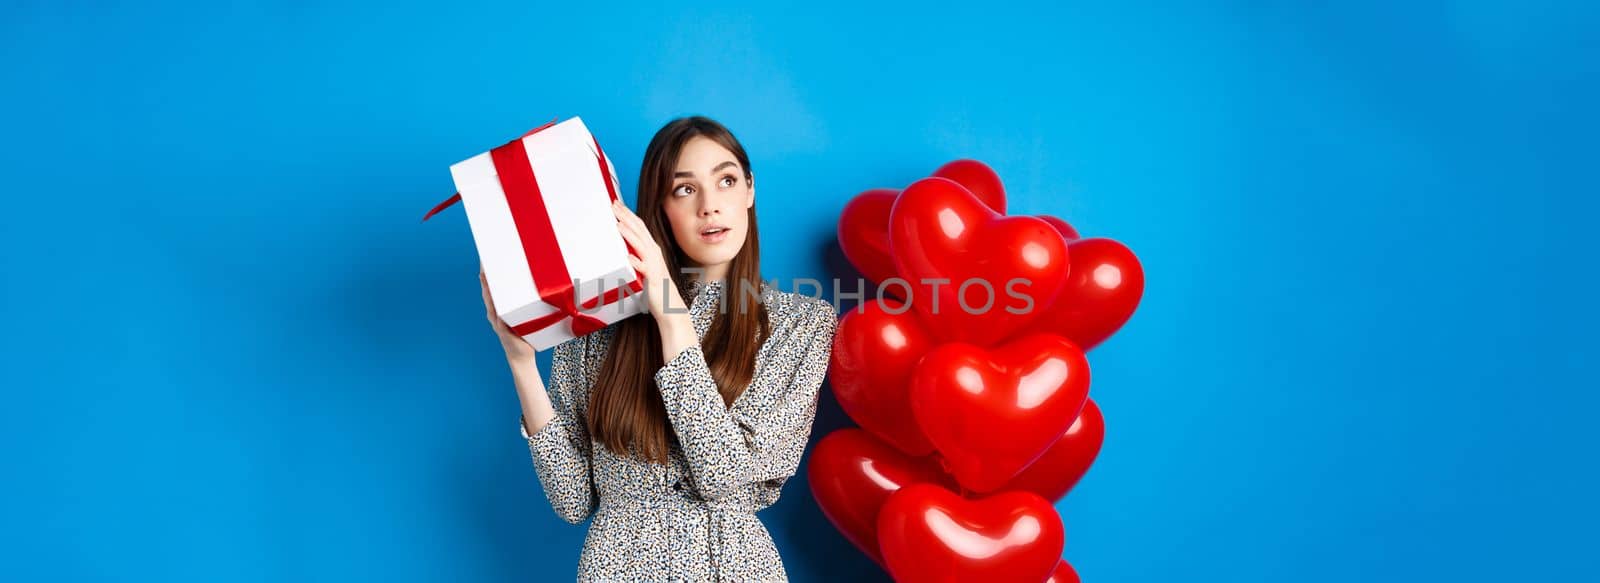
(875, 350)
(928, 533)
(1100, 295)
(991, 412)
(864, 223)
(1059, 469)
(1064, 573)
(864, 233)
(1066, 230)
(939, 230)
(980, 179)
(851, 474)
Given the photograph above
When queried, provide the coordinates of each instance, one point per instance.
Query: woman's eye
(684, 190)
(728, 181)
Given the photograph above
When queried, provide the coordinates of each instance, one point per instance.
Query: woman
(674, 429)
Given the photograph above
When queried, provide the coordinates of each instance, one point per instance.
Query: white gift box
(540, 212)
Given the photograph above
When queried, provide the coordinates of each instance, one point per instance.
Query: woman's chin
(713, 254)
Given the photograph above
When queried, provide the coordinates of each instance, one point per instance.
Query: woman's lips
(715, 237)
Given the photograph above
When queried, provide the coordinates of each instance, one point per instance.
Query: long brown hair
(625, 409)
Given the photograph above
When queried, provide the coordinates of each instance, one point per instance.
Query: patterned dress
(692, 519)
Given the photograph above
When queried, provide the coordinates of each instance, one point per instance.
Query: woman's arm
(559, 444)
(558, 440)
(536, 408)
(756, 446)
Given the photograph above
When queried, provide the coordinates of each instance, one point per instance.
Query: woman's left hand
(660, 289)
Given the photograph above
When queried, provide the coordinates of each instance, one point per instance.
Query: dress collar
(715, 288)
(698, 286)
(706, 300)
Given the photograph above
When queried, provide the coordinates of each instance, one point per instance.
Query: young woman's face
(708, 205)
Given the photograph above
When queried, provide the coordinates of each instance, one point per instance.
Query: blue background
(233, 353)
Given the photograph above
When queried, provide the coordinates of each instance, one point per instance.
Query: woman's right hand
(516, 348)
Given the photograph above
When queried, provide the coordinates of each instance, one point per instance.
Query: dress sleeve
(756, 446)
(561, 448)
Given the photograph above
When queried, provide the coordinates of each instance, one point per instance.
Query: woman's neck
(712, 273)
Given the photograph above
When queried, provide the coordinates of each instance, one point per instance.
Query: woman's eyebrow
(689, 174)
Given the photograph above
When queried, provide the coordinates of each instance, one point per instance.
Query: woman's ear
(750, 199)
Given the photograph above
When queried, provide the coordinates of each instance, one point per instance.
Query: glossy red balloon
(928, 533)
(1068, 459)
(864, 233)
(991, 412)
(939, 230)
(875, 350)
(1100, 295)
(864, 223)
(980, 179)
(1064, 573)
(1066, 230)
(851, 474)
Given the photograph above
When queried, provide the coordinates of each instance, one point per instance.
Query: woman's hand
(517, 349)
(659, 287)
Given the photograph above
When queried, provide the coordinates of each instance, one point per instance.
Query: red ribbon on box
(532, 219)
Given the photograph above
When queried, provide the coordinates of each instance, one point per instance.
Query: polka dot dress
(693, 519)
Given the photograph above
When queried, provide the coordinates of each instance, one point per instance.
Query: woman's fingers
(643, 251)
(638, 223)
(638, 241)
(623, 217)
(626, 215)
(488, 303)
(637, 251)
(616, 213)
(483, 282)
(628, 235)
(620, 211)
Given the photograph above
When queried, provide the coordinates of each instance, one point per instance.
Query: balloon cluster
(970, 383)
